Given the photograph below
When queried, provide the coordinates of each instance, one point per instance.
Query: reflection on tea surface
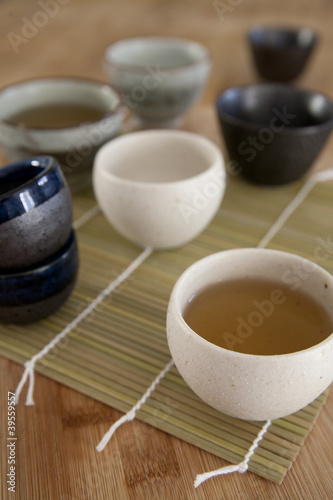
(257, 317)
(57, 115)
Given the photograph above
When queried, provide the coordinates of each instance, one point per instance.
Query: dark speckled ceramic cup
(35, 212)
(280, 53)
(274, 132)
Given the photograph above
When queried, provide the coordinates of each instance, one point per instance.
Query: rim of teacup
(305, 129)
(200, 265)
(288, 30)
(140, 68)
(101, 159)
(44, 162)
(119, 108)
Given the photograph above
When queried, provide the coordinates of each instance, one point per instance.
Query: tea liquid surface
(56, 115)
(257, 317)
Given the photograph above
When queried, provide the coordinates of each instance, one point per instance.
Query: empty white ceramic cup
(160, 78)
(248, 386)
(159, 188)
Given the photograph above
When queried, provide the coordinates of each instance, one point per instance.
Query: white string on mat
(241, 467)
(86, 217)
(130, 415)
(30, 364)
(295, 202)
(278, 224)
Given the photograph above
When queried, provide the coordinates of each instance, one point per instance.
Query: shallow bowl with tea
(35, 211)
(91, 113)
(159, 188)
(33, 293)
(274, 132)
(251, 386)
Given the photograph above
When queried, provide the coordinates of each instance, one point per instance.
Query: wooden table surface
(55, 452)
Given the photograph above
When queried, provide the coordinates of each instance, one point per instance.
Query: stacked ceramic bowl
(38, 249)
(274, 131)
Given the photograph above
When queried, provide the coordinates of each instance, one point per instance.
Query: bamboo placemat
(115, 353)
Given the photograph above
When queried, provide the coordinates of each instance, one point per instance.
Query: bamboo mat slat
(116, 352)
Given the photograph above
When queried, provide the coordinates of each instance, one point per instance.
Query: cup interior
(153, 51)
(20, 174)
(56, 91)
(15, 176)
(257, 104)
(158, 156)
(282, 38)
(244, 264)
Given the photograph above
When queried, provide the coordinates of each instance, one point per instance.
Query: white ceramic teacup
(160, 78)
(248, 386)
(73, 146)
(159, 188)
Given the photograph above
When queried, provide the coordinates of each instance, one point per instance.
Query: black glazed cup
(280, 54)
(35, 211)
(274, 132)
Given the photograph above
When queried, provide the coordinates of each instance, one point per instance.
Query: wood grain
(56, 457)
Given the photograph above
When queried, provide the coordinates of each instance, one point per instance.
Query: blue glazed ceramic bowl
(35, 212)
(31, 294)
